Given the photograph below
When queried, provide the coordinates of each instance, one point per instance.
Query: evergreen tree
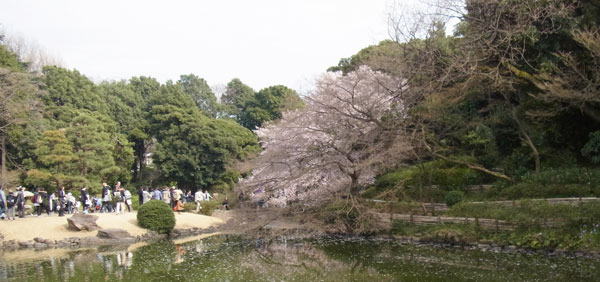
(201, 93)
(236, 96)
(268, 104)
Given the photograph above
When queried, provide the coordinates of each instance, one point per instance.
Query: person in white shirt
(146, 196)
(198, 197)
(207, 196)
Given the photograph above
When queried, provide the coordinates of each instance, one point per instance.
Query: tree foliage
(201, 93)
(193, 150)
(268, 104)
(236, 96)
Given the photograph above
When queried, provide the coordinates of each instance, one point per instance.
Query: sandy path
(55, 228)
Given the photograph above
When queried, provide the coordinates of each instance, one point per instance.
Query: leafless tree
(30, 52)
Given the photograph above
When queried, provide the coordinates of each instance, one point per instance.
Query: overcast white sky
(262, 42)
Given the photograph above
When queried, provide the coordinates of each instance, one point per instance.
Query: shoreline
(272, 228)
(52, 231)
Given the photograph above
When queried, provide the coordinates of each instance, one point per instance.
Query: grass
(541, 225)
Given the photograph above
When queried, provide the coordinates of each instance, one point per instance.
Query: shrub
(189, 207)
(156, 216)
(447, 235)
(454, 197)
(208, 207)
(135, 200)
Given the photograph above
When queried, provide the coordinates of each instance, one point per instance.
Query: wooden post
(497, 227)
(411, 218)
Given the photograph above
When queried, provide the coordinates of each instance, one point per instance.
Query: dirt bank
(55, 228)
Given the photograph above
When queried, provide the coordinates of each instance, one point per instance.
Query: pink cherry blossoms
(335, 144)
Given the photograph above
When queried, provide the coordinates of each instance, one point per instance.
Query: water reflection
(232, 258)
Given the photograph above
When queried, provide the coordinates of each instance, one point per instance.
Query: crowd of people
(114, 199)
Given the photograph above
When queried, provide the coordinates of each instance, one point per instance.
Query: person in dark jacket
(85, 200)
(106, 198)
(21, 202)
(11, 201)
(46, 204)
(61, 206)
(140, 193)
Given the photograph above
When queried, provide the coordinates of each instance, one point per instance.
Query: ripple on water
(235, 258)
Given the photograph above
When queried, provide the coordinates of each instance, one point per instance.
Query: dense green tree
(268, 104)
(70, 88)
(86, 152)
(194, 150)
(20, 107)
(381, 57)
(56, 162)
(201, 93)
(98, 147)
(127, 106)
(171, 94)
(145, 86)
(236, 96)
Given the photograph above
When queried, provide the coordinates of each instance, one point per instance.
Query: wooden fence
(388, 218)
(484, 223)
(440, 207)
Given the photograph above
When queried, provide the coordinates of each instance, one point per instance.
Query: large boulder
(79, 222)
(113, 233)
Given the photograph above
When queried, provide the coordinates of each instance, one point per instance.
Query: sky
(261, 42)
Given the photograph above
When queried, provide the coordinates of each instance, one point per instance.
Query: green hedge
(552, 183)
(156, 216)
(572, 175)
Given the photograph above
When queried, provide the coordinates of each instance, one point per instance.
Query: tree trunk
(534, 151)
(141, 151)
(474, 166)
(467, 164)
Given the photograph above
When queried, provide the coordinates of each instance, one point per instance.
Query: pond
(235, 258)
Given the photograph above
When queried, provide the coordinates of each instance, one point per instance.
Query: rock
(79, 222)
(483, 246)
(63, 244)
(26, 244)
(40, 245)
(43, 241)
(113, 233)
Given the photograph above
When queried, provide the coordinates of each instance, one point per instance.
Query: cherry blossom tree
(347, 132)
